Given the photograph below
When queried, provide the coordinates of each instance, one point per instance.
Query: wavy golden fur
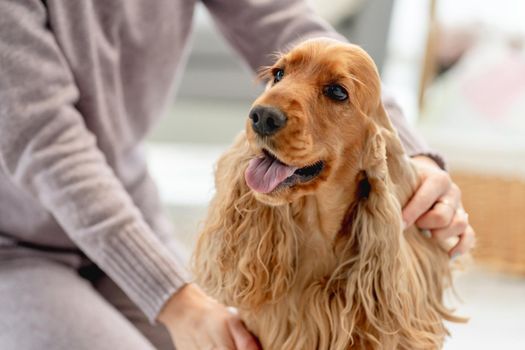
(325, 264)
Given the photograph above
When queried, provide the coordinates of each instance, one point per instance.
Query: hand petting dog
(436, 208)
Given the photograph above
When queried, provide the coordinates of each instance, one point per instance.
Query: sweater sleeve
(46, 149)
(414, 145)
(257, 29)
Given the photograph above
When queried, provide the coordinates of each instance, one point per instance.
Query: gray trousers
(59, 301)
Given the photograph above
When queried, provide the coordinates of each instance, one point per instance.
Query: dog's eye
(335, 92)
(278, 74)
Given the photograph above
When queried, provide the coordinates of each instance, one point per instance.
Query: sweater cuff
(436, 157)
(143, 267)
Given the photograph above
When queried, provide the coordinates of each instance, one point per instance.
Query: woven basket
(496, 208)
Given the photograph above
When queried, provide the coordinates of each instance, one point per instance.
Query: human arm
(48, 152)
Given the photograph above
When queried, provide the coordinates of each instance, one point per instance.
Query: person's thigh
(47, 305)
(157, 334)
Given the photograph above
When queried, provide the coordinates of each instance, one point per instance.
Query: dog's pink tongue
(264, 174)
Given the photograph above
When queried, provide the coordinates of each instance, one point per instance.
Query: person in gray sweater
(84, 262)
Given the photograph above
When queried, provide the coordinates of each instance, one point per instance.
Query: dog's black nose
(267, 120)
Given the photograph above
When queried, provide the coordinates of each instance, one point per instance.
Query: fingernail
(426, 233)
(454, 256)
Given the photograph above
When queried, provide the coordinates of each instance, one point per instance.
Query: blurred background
(458, 70)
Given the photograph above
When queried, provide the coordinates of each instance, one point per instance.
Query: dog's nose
(267, 120)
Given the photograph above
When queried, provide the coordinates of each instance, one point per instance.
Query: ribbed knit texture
(81, 82)
(135, 252)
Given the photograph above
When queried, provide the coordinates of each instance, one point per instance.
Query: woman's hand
(436, 208)
(196, 321)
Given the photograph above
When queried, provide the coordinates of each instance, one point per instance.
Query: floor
(496, 307)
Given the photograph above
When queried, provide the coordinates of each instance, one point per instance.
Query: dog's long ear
(366, 95)
(392, 284)
(246, 252)
(401, 171)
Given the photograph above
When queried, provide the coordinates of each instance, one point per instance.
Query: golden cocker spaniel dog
(304, 235)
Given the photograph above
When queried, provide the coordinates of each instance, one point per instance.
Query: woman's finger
(458, 225)
(243, 339)
(440, 216)
(442, 212)
(425, 196)
(466, 242)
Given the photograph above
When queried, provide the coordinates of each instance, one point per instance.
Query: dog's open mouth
(267, 173)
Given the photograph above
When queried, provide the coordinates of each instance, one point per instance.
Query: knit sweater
(81, 83)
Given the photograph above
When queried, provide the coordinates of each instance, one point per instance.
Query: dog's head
(312, 120)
